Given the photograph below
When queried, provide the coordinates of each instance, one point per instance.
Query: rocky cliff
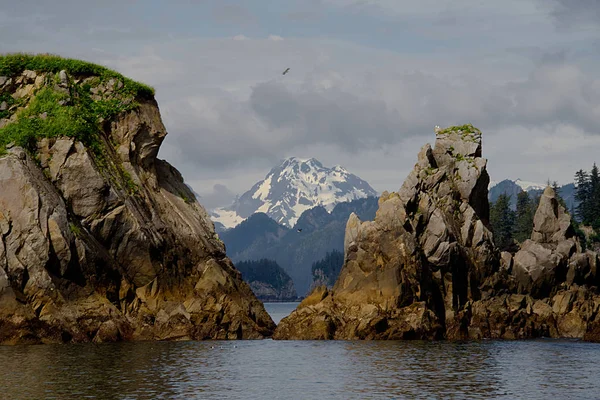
(427, 267)
(99, 239)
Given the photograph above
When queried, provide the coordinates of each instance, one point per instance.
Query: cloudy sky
(369, 79)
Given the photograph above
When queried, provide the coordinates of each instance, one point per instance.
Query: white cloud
(240, 37)
(275, 38)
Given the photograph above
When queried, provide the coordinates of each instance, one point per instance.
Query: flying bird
(299, 229)
(286, 71)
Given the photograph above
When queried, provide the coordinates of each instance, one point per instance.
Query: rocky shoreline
(101, 241)
(427, 267)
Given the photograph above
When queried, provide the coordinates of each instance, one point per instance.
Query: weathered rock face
(427, 268)
(409, 272)
(111, 247)
(556, 283)
(553, 256)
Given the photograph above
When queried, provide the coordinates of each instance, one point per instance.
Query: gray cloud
(231, 115)
(233, 14)
(355, 115)
(219, 196)
(576, 14)
(213, 131)
(329, 116)
(304, 16)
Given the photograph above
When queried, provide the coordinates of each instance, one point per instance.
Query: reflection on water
(303, 370)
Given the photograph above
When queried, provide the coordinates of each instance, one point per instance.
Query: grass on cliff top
(72, 113)
(467, 128)
(45, 117)
(16, 63)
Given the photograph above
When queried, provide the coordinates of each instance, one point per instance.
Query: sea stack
(427, 266)
(99, 239)
(410, 271)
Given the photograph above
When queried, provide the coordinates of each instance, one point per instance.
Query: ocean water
(278, 311)
(269, 369)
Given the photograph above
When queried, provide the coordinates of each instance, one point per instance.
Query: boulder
(551, 223)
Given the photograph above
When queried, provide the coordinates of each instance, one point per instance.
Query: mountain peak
(296, 162)
(292, 187)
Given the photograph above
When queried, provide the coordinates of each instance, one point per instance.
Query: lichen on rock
(100, 240)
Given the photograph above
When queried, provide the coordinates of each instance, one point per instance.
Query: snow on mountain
(293, 187)
(528, 186)
(227, 218)
(512, 188)
(525, 185)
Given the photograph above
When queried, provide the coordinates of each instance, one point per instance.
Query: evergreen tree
(502, 220)
(594, 198)
(559, 198)
(263, 270)
(588, 195)
(524, 217)
(582, 195)
(330, 266)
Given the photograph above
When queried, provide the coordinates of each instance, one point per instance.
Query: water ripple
(304, 370)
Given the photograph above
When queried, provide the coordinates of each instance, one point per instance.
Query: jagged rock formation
(426, 254)
(553, 255)
(103, 241)
(427, 267)
(555, 280)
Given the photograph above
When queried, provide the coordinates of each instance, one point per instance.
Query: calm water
(278, 311)
(302, 370)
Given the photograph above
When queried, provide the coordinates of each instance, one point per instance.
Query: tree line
(263, 270)
(588, 196)
(330, 266)
(510, 225)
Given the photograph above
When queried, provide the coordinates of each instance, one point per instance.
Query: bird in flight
(286, 71)
(299, 229)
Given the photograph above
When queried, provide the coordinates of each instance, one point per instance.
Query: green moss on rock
(14, 64)
(75, 108)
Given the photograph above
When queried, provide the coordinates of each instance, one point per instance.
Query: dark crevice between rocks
(460, 281)
(24, 280)
(381, 326)
(478, 199)
(432, 294)
(66, 337)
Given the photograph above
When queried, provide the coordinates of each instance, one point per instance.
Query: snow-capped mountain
(512, 188)
(525, 185)
(293, 187)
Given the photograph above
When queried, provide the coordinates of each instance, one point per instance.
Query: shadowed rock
(111, 245)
